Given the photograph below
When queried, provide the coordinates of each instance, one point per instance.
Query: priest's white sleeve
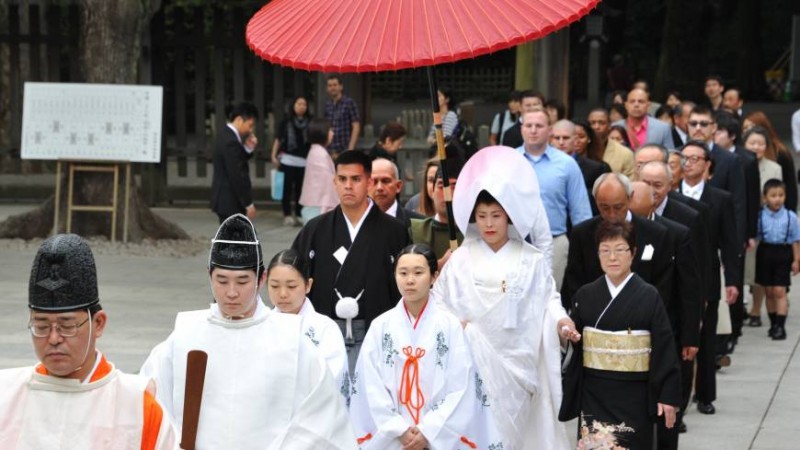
(450, 417)
(158, 367)
(373, 410)
(320, 421)
(331, 346)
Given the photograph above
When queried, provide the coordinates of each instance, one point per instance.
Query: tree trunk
(109, 53)
(683, 48)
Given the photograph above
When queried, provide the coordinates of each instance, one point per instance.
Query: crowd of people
(594, 278)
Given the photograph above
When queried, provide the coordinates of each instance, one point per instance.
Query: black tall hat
(63, 276)
(236, 245)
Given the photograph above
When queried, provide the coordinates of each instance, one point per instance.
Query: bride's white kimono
(423, 374)
(511, 305)
(326, 336)
(266, 386)
(510, 300)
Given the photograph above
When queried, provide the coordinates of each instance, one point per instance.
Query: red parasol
(379, 35)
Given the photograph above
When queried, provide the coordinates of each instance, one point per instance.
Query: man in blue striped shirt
(560, 183)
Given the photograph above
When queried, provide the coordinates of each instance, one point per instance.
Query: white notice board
(92, 122)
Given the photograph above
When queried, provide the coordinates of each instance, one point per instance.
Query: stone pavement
(758, 405)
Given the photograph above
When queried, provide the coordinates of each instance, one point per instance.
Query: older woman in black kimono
(623, 375)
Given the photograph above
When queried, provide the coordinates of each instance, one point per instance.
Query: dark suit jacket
(752, 190)
(231, 191)
(722, 239)
(684, 304)
(591, 171)
(676, 138)
(583, 263)
(692, 214)
(728, 175)
(513, 136)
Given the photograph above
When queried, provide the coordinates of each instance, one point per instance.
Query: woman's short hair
(318, 131)
(419, 249)
(609, 230)
(393, 131)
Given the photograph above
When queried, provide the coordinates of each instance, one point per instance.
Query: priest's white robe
(107, 412)
(266, 386)
(512, 308)
(326, 336)
(445, 394)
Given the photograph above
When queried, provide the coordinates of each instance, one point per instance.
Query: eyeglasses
(43, 329)
(607, 252)
(699, 123)
(694, 159)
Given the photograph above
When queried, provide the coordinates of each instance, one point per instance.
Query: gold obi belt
(617, 351)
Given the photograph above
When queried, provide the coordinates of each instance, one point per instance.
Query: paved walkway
(759, 395)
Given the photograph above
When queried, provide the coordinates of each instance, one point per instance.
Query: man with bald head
(654, 255)
(386, 186)
(641, 128)
(560, 183)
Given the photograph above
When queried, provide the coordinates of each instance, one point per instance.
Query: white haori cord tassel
(347, 308)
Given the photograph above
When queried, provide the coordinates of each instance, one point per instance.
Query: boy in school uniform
(778, 254)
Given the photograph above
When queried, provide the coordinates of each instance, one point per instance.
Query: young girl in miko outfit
(288, 283)
(778, 254)
(414, 384)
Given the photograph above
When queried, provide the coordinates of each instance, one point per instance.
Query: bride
(502, 289)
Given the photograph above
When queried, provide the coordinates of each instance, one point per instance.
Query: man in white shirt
(231, 189)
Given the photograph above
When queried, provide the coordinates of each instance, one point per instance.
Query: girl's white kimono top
(416, 371)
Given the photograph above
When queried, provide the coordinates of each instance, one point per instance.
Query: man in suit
(654, 256)
(680, 134)
(733, 102)
(727, 138)
(618, 157)
(684, 305)
(641, 128)
(386, 186)
(231, 190)
(714, 87)
(722, 240)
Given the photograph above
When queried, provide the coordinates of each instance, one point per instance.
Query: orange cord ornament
(410, 392)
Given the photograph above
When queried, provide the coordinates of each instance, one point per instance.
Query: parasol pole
(440, 151)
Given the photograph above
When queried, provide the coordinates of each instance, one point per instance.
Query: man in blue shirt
(560, 182)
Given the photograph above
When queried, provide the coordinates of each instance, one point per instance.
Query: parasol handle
(442, 154)
(196, 362)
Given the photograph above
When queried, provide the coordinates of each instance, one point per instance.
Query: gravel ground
(163, 248)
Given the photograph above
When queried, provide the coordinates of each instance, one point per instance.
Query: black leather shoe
(779, 334)
(771, 331)
(682, 427)
(754, 321)
(706, 408)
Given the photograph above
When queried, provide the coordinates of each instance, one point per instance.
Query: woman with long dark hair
(289, 153)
